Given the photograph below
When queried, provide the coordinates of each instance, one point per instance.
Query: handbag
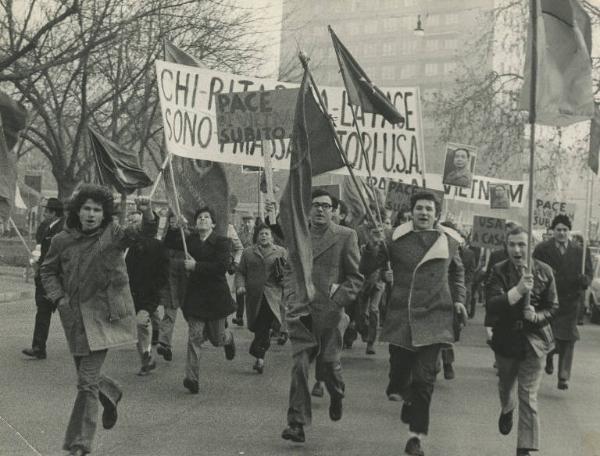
(279, 268)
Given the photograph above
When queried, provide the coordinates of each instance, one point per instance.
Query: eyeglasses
(324, 206)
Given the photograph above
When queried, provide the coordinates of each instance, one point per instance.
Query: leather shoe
(238, 321)
(405, 413)
(370, 349)
(317, 390)
(191, 385)
(165, 352)
(230, 349)
(77, 452)
(35, 353)
(413, 447)
(563, 385)
(109, 415)
(505, 423)
(449, 372)
(335, 408)
(549, 365)
(523, 452)
(293, 432)
(259, 367)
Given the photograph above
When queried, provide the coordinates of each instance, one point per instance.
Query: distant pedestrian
(52, 225)
(84, 274)
(259, 278)
(565, 258)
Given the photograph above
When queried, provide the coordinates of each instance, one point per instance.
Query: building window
(370, 49)
(388, 72)
(452, 18)
(410, 2)
(432, 45)
(387, 49)
(449, 67)
(434, 19)
(450, 44)
(408, 71)
(431, 69)
(389, 24)
(407, 47)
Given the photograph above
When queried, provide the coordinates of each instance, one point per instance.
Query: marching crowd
(415, 281)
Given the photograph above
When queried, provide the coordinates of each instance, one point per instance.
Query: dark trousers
(300, 410)
(241, 302)
(262, 331)
(45, 307)
(565, 350)
(412, 375)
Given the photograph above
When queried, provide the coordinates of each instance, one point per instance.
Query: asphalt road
(239, 412)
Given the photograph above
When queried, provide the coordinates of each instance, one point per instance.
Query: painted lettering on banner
(488, 232)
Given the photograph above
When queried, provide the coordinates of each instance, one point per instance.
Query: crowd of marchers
(412, 284)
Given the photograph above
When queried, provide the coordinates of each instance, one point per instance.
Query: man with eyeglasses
(316, 330)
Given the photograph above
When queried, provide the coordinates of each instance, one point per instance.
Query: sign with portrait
(500, 196)
(459, 165)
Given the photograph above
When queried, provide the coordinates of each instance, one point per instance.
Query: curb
(10, 296)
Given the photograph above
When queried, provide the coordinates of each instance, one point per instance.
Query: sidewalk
(13, 286)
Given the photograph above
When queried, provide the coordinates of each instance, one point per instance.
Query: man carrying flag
(323, 258)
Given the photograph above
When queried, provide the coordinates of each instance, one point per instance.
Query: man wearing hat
(565, 258)
(51, 225)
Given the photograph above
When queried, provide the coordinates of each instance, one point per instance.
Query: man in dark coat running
(428, 290)
(565, 258)
(521, 335)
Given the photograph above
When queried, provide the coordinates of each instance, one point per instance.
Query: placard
(488, 232)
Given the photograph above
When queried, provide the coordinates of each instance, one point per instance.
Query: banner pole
(177, 208)
(14, 225)
(532, 120)
(160, 173)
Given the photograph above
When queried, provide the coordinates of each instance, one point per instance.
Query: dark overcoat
(510, 332)
(567, 270)
(207, 295)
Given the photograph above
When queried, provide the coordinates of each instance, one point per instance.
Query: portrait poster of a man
(500, 196)
(459, 165)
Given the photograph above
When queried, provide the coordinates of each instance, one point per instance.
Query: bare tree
(111, 84)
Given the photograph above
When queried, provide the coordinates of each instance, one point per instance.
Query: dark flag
(117, 166)
(313, 150)
(361, 90)
(13, 117)
(8, 177)
(199, 182)
(594, 140)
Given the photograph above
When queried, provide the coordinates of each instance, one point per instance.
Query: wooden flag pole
(532, 120)
(14, 225)
(366, 159)
(177, 208)
(304, 60)
(160, 173)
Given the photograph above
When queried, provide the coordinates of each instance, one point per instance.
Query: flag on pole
(117, 166)
(13, 117)
(199, 182)
(564, 66)
(8, 177)
(593, 158)
(361, 90)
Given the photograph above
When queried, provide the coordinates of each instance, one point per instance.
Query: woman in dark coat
(259, 278)
(84, 274)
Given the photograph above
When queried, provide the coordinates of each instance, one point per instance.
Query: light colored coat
(256, 274)
(89, 272)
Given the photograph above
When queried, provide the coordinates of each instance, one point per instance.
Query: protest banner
(255, 115)
(399, 194)
(189, 98)
(546, 208)
(488, 232)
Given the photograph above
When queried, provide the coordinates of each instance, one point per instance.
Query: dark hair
(320, 192)
(464, 150)
(97, 193)
(514, 231)
(204, 209)
(261, 226)
(425, 195)
(561, 218)
(335, 203)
